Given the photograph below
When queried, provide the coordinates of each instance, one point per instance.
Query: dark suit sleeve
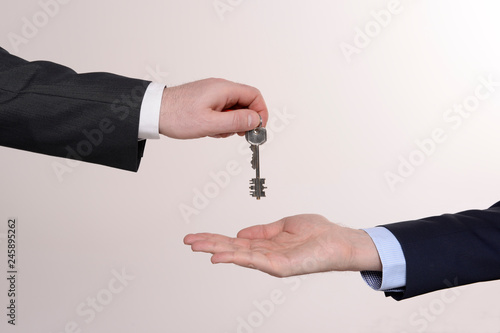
(49, 109)
(449, 250)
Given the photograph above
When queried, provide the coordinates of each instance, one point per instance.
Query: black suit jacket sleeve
(48, 108)
(449, 250)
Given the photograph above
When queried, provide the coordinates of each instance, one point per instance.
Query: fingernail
(249, 120)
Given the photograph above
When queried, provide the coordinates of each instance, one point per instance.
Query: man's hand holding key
(210, 107)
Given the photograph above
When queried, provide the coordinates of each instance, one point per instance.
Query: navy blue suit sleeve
(449, 250)
(49, 109)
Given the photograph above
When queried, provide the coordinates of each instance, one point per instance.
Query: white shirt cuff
(149, 118)
(393, 261)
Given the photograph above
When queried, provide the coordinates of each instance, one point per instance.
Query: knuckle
(238, 121)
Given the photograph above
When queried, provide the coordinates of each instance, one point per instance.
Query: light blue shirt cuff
(393, 276)
(149, 118)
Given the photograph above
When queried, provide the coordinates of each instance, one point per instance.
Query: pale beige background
(351, 122)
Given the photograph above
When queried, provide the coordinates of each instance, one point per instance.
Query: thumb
(235, 121)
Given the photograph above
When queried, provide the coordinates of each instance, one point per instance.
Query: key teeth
(262, 194)
(253, 161)
(256, 193)
(254, 181)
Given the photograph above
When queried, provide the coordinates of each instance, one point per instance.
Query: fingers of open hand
(249, 259)
(265, 231)
(213, 243)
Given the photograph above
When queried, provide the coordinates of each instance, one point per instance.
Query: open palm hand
(294, 245)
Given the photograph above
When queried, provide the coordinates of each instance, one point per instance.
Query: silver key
(256, 137)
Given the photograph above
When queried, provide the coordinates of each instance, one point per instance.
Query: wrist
(365, 256)
(165, 103)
